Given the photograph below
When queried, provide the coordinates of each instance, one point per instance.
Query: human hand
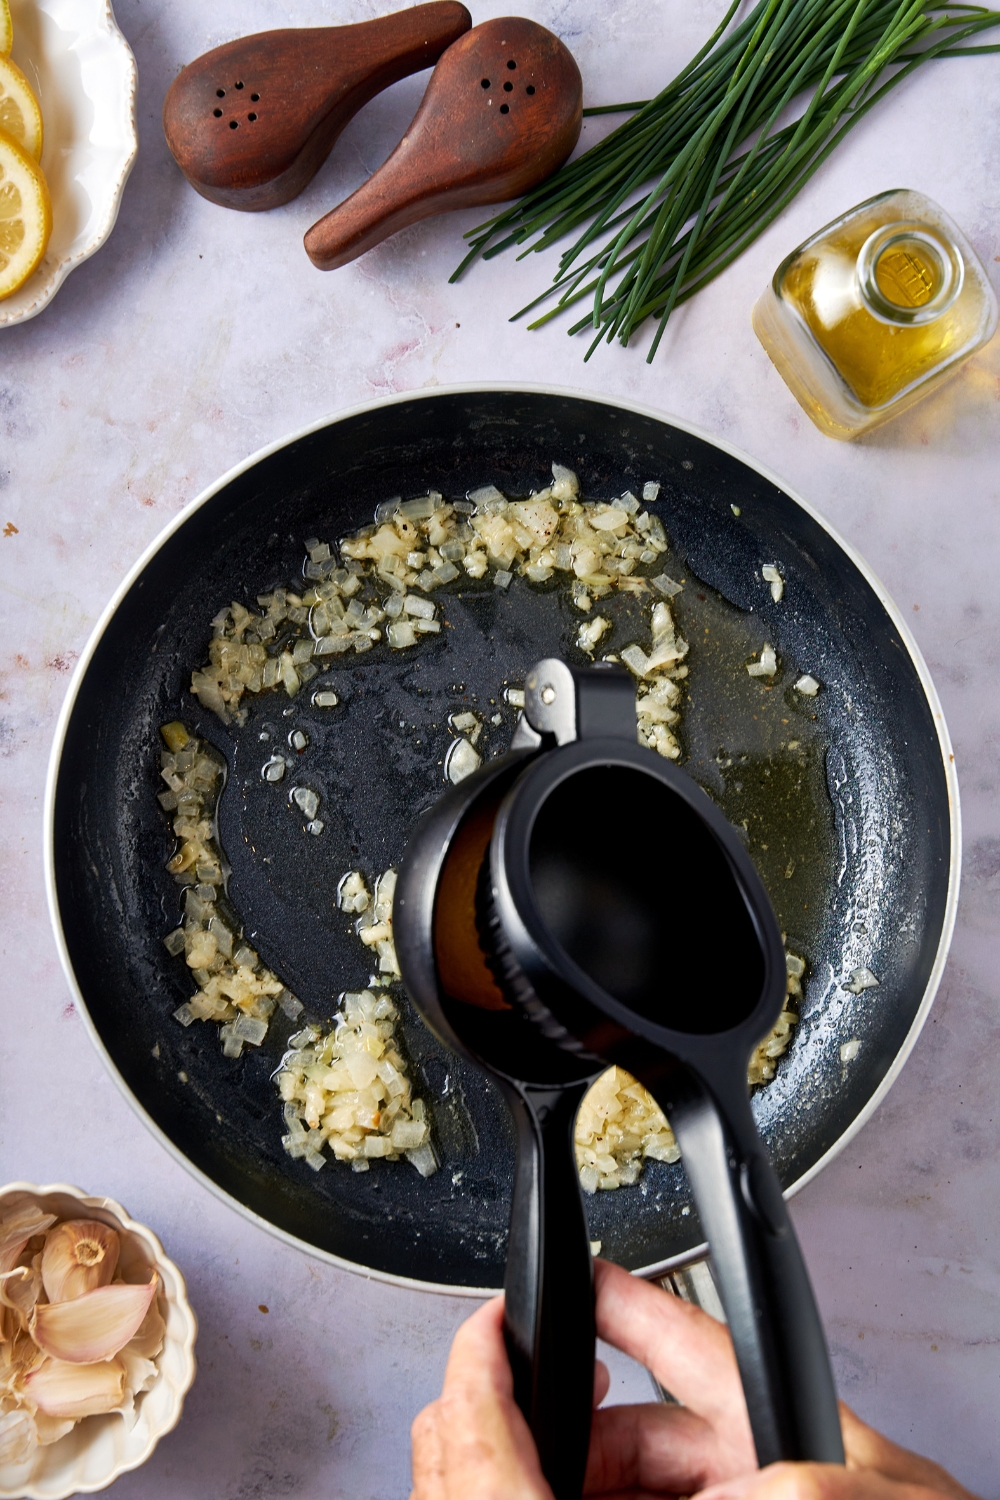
(473, 1441)
(704, 1447)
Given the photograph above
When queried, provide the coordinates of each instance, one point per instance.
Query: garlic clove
(61, 1389)
(20, 1290)
(79, 1256)
(18, 1357)
(51, 1429)
(139, 1376)
(94, 1326)
(17, 1229)
(149, 1340)
(18, 1438)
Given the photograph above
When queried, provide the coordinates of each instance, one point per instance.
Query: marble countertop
(198, 335)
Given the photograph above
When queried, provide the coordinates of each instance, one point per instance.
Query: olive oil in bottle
(874, 311)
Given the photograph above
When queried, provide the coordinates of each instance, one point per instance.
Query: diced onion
(861, 979)
(349, 1091)
(619, 1125)
(770, 575)
(461, 761)
(767, 666)
(231, 983)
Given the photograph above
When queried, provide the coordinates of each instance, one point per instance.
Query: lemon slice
(19, 112)
(25, 215)
(6, 29)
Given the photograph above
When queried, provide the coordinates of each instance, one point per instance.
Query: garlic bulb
(79, 1256)
(61, 1389)
(94, 1326)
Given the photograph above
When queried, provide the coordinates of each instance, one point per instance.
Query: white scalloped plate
(84, 74)
(99, 1449)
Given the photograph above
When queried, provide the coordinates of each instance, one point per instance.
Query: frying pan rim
(569, 393)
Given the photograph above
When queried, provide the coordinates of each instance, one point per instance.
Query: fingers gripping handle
(549, 1287)
(762, 1278)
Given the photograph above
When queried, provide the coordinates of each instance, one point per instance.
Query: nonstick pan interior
(847, 801)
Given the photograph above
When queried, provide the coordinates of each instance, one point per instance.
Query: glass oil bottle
(874, 311)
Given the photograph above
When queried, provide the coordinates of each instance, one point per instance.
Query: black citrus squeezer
(538, 935)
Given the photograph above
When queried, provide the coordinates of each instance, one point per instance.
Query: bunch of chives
(675, 194)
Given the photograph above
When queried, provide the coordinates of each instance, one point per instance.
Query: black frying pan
(849, 802)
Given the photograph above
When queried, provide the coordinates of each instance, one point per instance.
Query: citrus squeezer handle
(549, 1286)
(761, 1275)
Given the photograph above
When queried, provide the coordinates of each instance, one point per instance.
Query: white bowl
(99, 1449)
(84, 75)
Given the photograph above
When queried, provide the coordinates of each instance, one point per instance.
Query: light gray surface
(195, 336)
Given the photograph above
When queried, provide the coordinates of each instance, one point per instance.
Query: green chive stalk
(664, 203)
